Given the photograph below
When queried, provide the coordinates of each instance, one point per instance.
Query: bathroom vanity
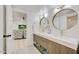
(53, 44)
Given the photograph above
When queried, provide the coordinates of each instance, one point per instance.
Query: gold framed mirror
(65, 19)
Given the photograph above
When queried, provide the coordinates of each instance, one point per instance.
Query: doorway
(12, 33)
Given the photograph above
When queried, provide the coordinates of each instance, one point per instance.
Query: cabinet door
(58, 48)
(43, 42)
(54, 48)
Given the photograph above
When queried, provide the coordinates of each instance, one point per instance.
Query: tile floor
(29, 50)
(22, 48)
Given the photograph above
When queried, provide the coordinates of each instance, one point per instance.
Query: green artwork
(22, 27)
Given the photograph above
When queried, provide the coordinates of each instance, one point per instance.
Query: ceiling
(34, 8)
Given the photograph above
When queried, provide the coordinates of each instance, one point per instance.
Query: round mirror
(65, 19)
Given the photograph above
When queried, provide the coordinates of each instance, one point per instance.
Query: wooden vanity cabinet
(53, 47)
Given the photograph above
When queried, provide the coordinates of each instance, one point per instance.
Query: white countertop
(67, 41)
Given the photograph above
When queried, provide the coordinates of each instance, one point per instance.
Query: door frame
(4, 29)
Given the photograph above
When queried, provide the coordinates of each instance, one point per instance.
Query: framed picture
(22, 27)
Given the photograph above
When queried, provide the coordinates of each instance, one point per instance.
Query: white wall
(36, 24)
(1, 29)
(30, 28)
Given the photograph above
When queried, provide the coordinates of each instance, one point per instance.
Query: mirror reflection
(44, 25)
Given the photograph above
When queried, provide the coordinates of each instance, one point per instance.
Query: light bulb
(45, 14)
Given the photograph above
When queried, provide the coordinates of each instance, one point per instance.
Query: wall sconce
(45, 15)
